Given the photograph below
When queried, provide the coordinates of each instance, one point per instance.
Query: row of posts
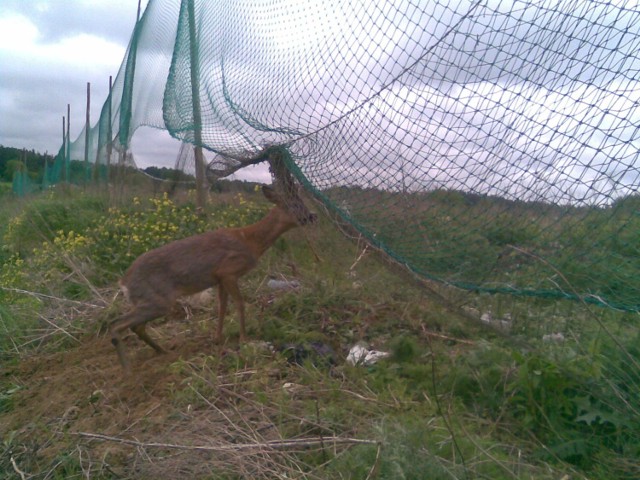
(201, 183)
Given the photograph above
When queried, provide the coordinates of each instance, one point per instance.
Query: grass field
(533, 388)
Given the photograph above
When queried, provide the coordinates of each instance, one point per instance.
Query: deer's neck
(262, 234)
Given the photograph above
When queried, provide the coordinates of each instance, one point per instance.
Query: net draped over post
(494, 146)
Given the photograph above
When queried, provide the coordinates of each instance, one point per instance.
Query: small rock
(320, 354)
(291, 388)
(553, 337)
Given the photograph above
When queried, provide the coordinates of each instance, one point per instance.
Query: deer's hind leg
(136, 320)
(223, 298)
(141, 331)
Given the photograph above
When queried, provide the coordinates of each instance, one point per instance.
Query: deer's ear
(270, 194)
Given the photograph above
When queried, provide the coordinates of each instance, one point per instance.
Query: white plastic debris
(360, 355)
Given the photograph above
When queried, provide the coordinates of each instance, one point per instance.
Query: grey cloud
(61, 19)
(36, 90)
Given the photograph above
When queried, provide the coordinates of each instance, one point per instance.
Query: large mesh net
(489, 145)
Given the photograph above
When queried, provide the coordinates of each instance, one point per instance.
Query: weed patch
(537, 390)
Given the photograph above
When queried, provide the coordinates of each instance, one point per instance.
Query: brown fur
(156, 279)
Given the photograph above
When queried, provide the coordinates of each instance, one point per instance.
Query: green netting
(21, 184)
(489, 145)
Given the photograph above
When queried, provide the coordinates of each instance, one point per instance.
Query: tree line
(14, 160)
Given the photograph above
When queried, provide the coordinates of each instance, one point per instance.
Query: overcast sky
(49, 50)
(443, 113)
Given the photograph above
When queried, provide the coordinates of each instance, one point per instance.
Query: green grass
(5, 189)
(491, 244)
(455, 398)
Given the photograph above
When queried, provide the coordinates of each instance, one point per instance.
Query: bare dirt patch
(199, 411)
(63, 395)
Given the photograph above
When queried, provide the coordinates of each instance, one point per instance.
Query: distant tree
(165, 173)
(35, 162)
(629, 203)
(11, 167)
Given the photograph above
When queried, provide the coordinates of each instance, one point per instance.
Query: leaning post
(201, 184)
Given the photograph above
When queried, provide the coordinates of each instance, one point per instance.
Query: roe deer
(157, 278)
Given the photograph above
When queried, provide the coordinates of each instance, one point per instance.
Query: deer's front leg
(231, 287)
